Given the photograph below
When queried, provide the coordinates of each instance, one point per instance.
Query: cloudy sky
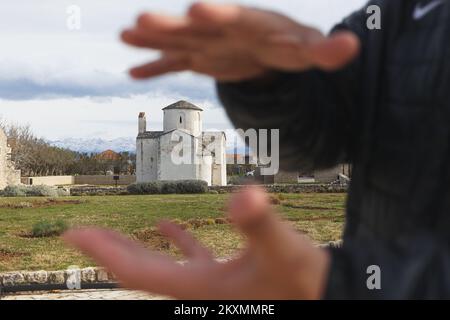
(73, 83)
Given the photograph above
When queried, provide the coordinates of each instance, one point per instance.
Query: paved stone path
(116, 294)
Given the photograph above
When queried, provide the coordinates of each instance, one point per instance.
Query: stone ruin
(8, 174)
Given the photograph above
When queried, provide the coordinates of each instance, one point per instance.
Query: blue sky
(74, 83)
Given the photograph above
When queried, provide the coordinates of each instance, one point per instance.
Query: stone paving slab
(115, 294)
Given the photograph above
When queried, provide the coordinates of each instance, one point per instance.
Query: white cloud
(116, 117)
(85, 72)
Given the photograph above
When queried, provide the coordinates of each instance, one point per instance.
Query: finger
(184, 241)
(251, 211)
(162, 23)
(134, 266)
(162, 66)
(314, 49)
(157, 40)
(244, 20)
(336, 51)
(216, 14)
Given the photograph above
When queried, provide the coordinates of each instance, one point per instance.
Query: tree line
(36, 157)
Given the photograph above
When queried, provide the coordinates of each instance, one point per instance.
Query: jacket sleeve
(313, 110)
(414, 268)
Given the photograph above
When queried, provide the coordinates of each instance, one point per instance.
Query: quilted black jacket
(388, 113)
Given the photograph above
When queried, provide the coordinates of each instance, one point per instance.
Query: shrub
(41, 191)
(151, 188)
(240, 180)
(169, 187)
(33, 191)
(134, 188)
(62, 192)
(15, 191)
(49, 229)
(144, 188)
(192, 186)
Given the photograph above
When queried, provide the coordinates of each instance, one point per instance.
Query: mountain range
(95, 145)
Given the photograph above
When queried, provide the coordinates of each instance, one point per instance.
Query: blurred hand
(233, 43)
(278, 263)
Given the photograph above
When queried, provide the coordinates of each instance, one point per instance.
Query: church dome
(183, 115)
(183, 105)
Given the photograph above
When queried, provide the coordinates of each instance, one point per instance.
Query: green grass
(320, 216)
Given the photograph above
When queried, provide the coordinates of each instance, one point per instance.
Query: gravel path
(116, 294)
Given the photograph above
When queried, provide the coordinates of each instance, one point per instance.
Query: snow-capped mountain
(96, 145)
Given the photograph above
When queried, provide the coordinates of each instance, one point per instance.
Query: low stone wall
(98, 191)
(289, 188)
(277, 188)
(85, 275)
(24, 278)
(100, 180)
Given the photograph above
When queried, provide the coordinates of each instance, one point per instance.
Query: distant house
(108, 155)
(155, 150)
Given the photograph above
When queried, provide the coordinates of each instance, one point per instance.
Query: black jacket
(388, 113)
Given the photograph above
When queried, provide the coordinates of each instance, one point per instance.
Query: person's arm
(314, 110)
(413, 269)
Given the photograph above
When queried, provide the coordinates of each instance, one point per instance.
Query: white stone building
(8, 174)
(182, 151)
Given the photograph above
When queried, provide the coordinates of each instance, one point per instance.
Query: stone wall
(98, 191)
(63, 277)
(97, 180)
(124, 180)
(280, 188)
(289, 188)
(48, 181)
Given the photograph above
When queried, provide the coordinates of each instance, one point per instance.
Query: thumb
(251, 212)
(335, 51)
(278, 247)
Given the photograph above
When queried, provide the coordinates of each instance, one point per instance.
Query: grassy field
(318, 215)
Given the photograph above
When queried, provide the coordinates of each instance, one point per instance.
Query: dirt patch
(331, 219)
(6, 254)
(152, 238)
(19, 205)
(25, 234)
(40, 203)
(57, 202)
(303, 207)
(199, 223)
(275, 200)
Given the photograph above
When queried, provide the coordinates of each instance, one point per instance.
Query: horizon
(74, 84)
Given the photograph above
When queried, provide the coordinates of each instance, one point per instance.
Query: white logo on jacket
(421, 11)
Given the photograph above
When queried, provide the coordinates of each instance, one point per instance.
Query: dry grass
(320, 216)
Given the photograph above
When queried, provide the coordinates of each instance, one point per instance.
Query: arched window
(182, 120)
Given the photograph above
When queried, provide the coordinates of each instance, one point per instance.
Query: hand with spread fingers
(235, 43)
(278, 263)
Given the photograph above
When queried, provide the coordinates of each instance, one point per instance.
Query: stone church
(8, 174)
(182, 151)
